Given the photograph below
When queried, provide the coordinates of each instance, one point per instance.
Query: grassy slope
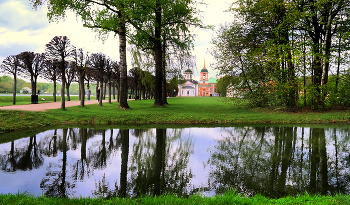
(228, 198)
(184, 111)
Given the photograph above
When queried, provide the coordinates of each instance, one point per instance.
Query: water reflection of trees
(22, 158)
(276, 161)
(159, 163)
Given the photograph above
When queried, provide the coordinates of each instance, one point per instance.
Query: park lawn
(187, 111)
(228, 198)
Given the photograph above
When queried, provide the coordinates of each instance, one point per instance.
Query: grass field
(228, 198)
(191, 111)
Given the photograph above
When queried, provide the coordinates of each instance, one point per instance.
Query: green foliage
(6, 84)
(276, 41)
(223, 83)
(344, 90)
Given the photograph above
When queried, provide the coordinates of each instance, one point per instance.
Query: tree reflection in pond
(273, 161)
(55, 182)
(160, 164)
(277, 161)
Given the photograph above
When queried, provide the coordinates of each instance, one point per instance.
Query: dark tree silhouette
(32, 64)
(99, 62)
(116, 78)
(60, 48)
(11, 65)
(81, 62)
(52, 72)
(70, 76)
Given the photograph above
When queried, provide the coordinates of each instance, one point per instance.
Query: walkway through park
(47, 106)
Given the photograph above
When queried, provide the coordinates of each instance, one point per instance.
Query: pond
(274, 161)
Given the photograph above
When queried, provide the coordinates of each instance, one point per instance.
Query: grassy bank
(180, 111)
(228, 198)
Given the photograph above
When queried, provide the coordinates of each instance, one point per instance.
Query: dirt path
(47, 106)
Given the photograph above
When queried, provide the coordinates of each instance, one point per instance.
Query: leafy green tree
(159, 24)
(151, 21)
(321, 20)
(222, 85)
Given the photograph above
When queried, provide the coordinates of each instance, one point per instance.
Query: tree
(99, 62)
(151, 20)
(11, 65)
(32, 64)
(52, 72)
(103, 16)
(321, 20)
(159, 23)
(109, 74)
(60, 48)
(81, 62)
(70, 76)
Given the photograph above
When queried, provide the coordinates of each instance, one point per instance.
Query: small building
(190, 87)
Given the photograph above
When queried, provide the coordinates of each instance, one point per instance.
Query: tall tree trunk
(158, 99)
(54, 90)
(14, 88)
(164, 93)
(110, 92)
(63, 102)
(104, 91)
(101, 93)
(338, 66)
(113, 91)
(82, 90)
(123, 94)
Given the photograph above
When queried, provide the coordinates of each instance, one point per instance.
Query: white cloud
(15, 16)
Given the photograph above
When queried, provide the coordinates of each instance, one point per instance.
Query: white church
(190, 87)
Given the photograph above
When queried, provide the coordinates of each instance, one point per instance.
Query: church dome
(188, 71)
(204, 70)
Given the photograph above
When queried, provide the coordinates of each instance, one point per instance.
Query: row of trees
(156, 28)
(282, 52)
(62, 62)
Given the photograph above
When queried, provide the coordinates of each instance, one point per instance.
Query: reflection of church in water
(192, 88)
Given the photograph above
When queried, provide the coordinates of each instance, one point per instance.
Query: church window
(188, 92)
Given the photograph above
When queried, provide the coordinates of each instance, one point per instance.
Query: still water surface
(273, 161)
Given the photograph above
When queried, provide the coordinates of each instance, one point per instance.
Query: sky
(24, 29)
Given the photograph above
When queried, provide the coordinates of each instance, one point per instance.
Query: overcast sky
(24, 29)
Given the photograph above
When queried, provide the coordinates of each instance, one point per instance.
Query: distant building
(205, 87)
(190, 87)
(26, 90)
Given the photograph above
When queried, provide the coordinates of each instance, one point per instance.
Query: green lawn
(191, 111)
(188, 111)
(228, 198)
